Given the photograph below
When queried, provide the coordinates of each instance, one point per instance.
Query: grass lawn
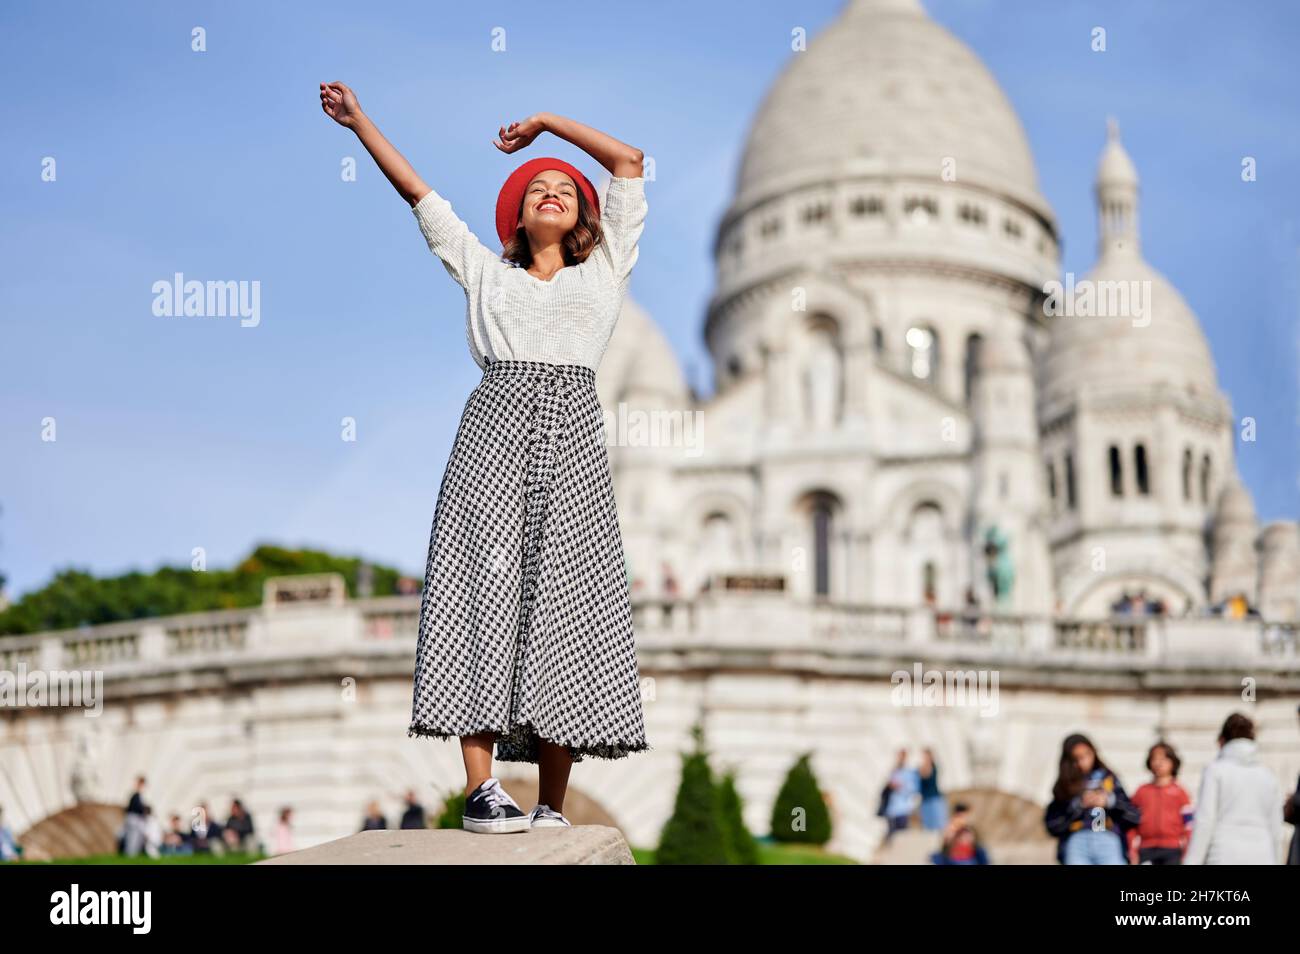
(229, 859)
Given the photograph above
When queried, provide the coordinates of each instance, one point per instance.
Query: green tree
(694, 834)
(740, 845)
(799, 813)
(76, 598)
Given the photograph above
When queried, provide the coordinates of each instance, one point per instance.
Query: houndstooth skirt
(525, 624)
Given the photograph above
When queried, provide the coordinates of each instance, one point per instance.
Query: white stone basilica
(893, 398)
(896, 381)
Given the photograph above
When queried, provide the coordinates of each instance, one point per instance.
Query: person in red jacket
(1161, 837)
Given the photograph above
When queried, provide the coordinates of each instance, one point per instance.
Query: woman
(1089, 812)
(934, 807)
(1239, 805)
(1161, 836)
(525, 636)
(904, 788)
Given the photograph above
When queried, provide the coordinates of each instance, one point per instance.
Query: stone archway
(87, 828)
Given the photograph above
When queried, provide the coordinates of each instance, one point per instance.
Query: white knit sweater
(514, 316)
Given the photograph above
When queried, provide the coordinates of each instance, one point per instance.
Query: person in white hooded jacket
(1238, 818)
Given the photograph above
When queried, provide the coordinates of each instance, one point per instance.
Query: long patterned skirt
(525, 622)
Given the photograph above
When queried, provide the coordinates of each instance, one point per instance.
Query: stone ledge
(579, 845)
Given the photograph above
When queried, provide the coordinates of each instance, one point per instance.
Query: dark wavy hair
(1237, 726)
(1170, 754)
(582, 238)
(1069, 780)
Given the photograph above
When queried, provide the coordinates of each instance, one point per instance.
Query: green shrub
(740, 845)
(694, 834)
(799, 813)
(453, 811)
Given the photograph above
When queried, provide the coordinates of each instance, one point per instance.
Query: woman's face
(1084, 757)
(550, 208)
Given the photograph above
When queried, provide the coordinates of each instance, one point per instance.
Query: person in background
(1160, 838)
(133, 825)
(10, 850)
(1237, 817)
(963, 848)
(208, 836)
(413, 816)
(153, 833)
(904, 793)
(177, 840)
(960, 819)
(238, 831)
(374, 819)
(934, 807)
(1089, 812)
(1291, 815)
(282, 837)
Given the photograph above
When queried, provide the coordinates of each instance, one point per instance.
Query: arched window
(1187, 474)
(923, 353)
(1116, 473)
(821, 533)
(1140, 470)
(973, 345)
(1051, 480)
(1070, 498)
(1205, 479)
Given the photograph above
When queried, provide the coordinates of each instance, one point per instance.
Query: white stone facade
(895, 375)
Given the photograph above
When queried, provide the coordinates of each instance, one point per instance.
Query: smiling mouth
(550, 205)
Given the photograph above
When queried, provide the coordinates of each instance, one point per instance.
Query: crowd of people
(1236, 818)
(914, 790)
(413, 816)
(143, 833)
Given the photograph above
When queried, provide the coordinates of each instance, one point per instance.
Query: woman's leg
(1110, 849)
(553, 766)
(1076, 848)
(477, 752)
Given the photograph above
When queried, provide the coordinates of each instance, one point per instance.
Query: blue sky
(176, 434)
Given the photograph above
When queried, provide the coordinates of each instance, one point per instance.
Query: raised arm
(340, 104)
(618, 158)
(448, 237)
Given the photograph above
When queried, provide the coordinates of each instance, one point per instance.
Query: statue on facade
(1001, 573)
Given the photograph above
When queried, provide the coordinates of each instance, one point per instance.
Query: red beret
(512, 193)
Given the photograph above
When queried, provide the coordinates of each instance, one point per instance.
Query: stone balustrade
(732, 623)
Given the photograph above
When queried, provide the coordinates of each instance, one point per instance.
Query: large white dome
(1162, 346)
(886, 90)
(640, 362)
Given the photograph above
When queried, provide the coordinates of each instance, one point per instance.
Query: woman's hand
(516, 136)
(340, 104)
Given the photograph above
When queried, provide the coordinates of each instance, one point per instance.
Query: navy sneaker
(490, 810)
(544, 816)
